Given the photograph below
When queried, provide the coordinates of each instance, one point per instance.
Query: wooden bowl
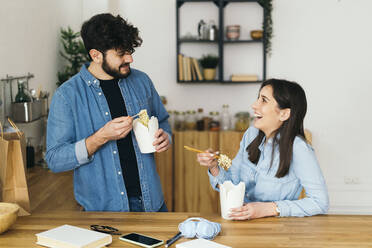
(256, 34)
(8, 215)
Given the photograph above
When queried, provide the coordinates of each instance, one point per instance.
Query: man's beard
(115, 73)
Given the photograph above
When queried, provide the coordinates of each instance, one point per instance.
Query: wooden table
(316, 231)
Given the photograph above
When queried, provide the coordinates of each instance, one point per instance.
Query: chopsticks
(15, 127)
(197, 150)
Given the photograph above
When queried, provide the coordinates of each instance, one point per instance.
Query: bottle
(30, 154)
(21, 95)
(212, 30)
(200, 120)
(214, 125)
(225, 118)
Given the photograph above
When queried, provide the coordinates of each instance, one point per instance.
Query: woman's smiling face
(268, 116)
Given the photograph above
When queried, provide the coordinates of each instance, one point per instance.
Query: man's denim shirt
(79, 109)
(261, 185)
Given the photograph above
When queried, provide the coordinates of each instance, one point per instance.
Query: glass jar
(200, 120)
(190, 120)
(225, 118)
(214, 124)
(242, 121)
(180, 121)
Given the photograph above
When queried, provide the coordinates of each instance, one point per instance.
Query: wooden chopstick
(193, 149)
(15, 127)
(197, 150)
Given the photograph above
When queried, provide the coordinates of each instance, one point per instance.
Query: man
(90, 124)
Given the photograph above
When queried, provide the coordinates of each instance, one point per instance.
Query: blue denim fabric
(78, 109)
(262, 186)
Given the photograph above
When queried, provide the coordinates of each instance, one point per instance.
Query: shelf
(197, 41)
(218, 82)
(242, 41)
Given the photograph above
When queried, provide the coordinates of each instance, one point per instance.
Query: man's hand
(253, 210)
(115, 129)
(161, 142)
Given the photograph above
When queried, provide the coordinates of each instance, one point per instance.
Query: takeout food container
(145, 136)
(231, 196)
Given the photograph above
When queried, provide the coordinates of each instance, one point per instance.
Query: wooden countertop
(316, 231)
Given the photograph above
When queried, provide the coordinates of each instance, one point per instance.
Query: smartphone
(141, 240)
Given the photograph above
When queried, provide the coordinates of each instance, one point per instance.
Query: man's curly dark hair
(105, 31)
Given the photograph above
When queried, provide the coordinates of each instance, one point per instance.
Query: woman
(274, 160)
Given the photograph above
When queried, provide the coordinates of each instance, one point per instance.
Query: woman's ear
(96, 56)
(285, 114)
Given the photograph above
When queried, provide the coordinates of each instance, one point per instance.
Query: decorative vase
(209, 73)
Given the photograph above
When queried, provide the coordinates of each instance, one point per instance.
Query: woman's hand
(253, 210)
(209, 160)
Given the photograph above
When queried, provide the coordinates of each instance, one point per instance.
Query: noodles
(224, 161)
(143, 117)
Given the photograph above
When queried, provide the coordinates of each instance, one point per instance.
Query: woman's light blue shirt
(262, 185)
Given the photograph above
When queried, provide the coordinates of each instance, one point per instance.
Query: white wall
(30, 32)
(323, 45)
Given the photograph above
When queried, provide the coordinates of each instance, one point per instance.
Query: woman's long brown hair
(287, 95)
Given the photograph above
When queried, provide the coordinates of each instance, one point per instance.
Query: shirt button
(114, 152)
(99, 93)
(119, 172)
(122, 193)
(106, 113)
(95, 81)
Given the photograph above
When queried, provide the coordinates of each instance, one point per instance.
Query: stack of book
(244, 77)
(189, 69)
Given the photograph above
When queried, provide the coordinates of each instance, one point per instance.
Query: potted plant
(209, 63)
(74, 53)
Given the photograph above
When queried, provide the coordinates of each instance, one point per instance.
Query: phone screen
(141, 239)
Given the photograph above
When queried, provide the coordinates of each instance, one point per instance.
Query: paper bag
(12, 171)
(145, 136)
(231, 196)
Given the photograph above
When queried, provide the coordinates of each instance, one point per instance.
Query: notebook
(67, 236)
(198, 243)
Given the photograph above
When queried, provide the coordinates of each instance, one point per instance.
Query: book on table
(67, 236)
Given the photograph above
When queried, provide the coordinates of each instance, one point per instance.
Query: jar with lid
(190, 120)
(200, 120)
(225, 118)
(179, 122)
(214, 124)
(242, 121)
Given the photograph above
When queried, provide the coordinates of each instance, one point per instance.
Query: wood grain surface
(317, 231)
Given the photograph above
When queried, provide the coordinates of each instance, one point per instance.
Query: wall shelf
(221, 41)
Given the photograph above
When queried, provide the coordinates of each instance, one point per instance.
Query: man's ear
(97, 56)
(285, 114)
